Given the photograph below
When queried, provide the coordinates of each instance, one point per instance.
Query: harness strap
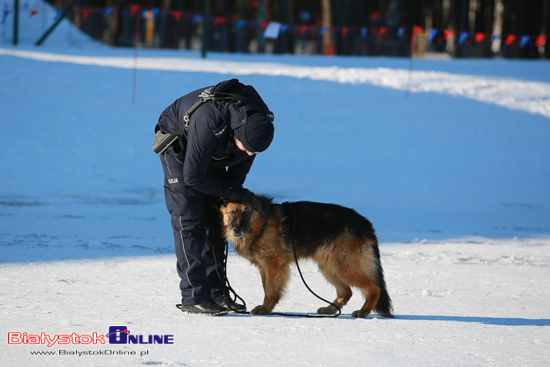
(189, 112)
(218, 96)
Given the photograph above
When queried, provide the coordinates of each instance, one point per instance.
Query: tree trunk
(328, 48)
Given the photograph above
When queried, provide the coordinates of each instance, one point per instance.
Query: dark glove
(242, 194)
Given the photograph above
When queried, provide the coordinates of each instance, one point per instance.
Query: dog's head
(237, 218)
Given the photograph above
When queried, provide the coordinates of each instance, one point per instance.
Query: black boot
(232, 306)
(206, 308)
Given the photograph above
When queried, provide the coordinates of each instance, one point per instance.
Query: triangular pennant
(133, 10)
(382, 31)
(322, 30)
(177, 15)
(364, 32)
(239, 24)
(510, 39)
(197, 18)
(433, 33)
(5, 15)
(107, 11)
(33, 13)
(85, 13)
(218, 20)
(540, 41)
(345, 31)
(446, 34)
(524, 40)
(400, 32)
(463, 37)
(58, 14)
(479, 37)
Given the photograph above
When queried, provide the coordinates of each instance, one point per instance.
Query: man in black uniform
(206, 164)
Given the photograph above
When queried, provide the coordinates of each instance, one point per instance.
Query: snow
(454, 178)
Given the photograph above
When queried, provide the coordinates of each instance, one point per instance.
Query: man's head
(256, 134)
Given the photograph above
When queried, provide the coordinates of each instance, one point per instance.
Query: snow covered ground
(454, 178)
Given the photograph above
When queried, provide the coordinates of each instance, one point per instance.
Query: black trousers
(197, 231)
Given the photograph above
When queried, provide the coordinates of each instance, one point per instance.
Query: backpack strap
(218, 96)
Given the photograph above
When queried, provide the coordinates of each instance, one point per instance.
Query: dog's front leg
(275, 275)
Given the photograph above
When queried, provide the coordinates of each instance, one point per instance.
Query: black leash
(226, 286)
(309, 289)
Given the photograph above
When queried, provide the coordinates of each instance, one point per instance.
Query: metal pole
(205, 27)
(136, 43)
(260, 18)
(15, 22)
(61, 17)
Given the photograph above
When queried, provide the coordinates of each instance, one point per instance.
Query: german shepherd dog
(338, 239)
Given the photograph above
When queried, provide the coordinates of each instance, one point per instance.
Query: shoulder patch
(219, 132)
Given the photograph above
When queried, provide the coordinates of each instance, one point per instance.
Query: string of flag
(275, 29)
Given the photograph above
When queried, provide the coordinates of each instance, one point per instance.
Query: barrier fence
(158, 28)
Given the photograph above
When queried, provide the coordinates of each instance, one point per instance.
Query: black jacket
(209, 144)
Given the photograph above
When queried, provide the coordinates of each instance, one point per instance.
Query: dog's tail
(384, 305)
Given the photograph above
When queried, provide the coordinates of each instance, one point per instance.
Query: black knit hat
(256, 134)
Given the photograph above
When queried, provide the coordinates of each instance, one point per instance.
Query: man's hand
(242, 194)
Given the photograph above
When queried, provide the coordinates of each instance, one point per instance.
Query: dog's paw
(359, 314)
(329, 310)
(259, 310)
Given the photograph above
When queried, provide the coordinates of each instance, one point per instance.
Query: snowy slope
(454, 178)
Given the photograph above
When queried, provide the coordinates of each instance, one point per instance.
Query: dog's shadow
(304, 315)
(498, 321)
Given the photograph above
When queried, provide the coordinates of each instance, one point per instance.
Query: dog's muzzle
(237, 232)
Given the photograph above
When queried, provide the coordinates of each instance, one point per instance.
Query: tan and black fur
(338, 239)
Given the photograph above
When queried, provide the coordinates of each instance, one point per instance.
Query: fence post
(205, 27)
(15, 22)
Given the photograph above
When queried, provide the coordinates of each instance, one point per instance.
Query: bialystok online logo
(117, 335)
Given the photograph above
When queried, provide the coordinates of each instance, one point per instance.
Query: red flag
(85, 13)
(446, 34)
(302, 29)
(479, 37)
(510, 39)
(133, 9)
(382, 30)
(177, 15)
(33, 13)
(540, 41)
(218, 20)
(345, 32)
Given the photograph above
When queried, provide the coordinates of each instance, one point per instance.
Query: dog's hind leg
(371, 292)
(343, 292)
